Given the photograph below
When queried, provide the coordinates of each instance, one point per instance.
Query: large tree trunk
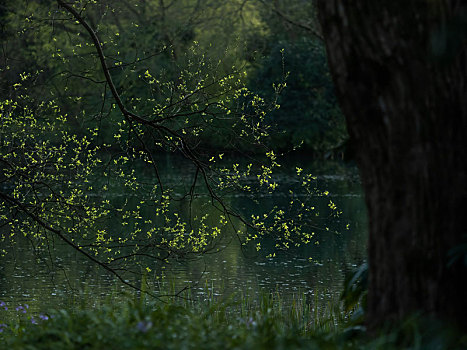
(401, 78)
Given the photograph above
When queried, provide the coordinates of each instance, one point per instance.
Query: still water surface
(27, 278)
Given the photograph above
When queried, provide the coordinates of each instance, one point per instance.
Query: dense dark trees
(400, 73)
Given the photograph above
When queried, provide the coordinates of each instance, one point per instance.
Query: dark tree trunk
(400, 73)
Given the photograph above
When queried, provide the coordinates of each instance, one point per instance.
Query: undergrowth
(135, 322)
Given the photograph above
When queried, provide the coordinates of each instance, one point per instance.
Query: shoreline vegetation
(266, 321)
(135, 324)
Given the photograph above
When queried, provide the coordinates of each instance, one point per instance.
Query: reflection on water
(46, 283)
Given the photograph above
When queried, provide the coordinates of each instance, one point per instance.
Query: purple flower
(21, 308)
(43, 317)
(2, 304)
(144, 326)
(2, 327)
(250, 322)
(33, 321)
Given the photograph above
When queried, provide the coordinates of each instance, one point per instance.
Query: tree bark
(400, 73)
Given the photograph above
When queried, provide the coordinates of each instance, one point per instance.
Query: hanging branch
(60, 235)
(130, 117)
(308, 28)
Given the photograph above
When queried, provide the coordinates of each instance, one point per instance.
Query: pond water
(43, 283)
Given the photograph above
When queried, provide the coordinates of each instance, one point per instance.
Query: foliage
(355, 292)
(138, 324)
(308, 100)
(149, 48)
(56, 177)
(173, 325)
(157, 38)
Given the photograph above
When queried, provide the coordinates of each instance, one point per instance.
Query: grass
(264, 322)
(177, 324)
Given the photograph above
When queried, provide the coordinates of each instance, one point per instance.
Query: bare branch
(287, 19)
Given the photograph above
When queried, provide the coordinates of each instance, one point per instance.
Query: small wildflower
(21, 308)
(43, 317)
(33, 320)
(250, 322)
(144, 326)
(2, 327)
(3, 304)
